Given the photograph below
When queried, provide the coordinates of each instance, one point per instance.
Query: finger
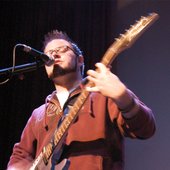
(109, 67)
(101, 67)
(92, 79)
(92, 73)
(92, 89)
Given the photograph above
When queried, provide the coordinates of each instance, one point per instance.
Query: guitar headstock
(132, 34)
(127, 39)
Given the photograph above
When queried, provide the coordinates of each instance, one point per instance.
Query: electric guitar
(43, 161)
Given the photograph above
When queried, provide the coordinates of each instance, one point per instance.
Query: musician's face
(66, 61)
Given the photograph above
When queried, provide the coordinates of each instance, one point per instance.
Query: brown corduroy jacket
(95, 141)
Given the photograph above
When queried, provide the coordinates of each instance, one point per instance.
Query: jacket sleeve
(141, 125)
(24, 151)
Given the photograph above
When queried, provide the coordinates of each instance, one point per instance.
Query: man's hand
(109, 85)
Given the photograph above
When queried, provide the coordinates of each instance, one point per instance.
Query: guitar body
(63, 165)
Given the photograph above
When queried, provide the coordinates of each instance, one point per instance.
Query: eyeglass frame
(65, 49)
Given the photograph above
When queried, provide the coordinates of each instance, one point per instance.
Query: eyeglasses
(61, 49)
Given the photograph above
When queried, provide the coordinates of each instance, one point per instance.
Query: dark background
(93, 24)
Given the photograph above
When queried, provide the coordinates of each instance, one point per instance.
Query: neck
(67, 82)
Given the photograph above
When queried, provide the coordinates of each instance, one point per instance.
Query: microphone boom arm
(22, 68)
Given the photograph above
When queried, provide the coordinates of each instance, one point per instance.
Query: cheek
(72, 61)
(67, 61)
(49, 69)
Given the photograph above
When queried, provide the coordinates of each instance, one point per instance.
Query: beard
(60, 71)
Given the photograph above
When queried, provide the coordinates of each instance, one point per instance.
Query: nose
(55, 55)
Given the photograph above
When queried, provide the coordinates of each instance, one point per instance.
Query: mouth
(57, 61)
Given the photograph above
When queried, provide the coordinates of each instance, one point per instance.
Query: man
(95, 139)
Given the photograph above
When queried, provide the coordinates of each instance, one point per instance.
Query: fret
(69, 118)
(59, 133)
(76, 106)
(67, 121)
(61, 130)
(46, 153)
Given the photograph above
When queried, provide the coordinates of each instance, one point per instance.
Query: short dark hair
(55, 34)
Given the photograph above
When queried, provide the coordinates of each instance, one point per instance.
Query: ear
(81, 64)
(80, 60)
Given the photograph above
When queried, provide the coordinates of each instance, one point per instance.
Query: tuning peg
(122, 35)
(117, 39)
(131, 26)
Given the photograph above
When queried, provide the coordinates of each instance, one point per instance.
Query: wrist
(129, 107)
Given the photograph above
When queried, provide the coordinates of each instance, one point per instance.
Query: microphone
(47, 59)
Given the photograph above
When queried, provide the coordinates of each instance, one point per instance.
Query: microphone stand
(22, 68)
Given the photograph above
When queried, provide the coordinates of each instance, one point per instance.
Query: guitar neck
(70, 118)
(111, 53)
(61, 131)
